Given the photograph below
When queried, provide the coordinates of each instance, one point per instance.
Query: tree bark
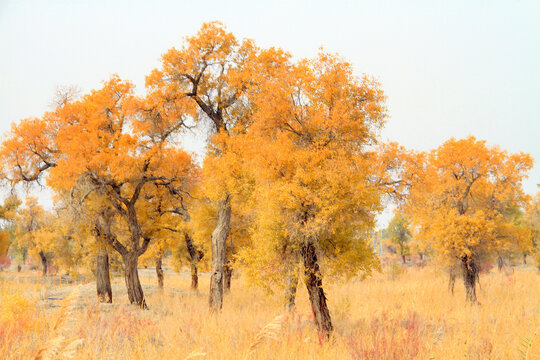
(290, 295)
(195, 256)
(452, 280)
(103, 280)
(314, 286)
(133, 284)
(219, 241)
(194, 277)
(43, 263)
(403, 259)
(227, 275)
(524, 258)
(500, 262)
(470, 277)
(159, 270)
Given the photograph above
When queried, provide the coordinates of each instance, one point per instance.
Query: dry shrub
(388, 339)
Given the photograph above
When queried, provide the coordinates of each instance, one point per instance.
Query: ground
(397, 314)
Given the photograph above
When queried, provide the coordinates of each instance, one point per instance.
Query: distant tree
(399, 235)
(460, 194)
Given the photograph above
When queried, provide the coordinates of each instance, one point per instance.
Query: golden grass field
(411, 315)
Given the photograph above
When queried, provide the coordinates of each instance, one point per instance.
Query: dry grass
(410, 316)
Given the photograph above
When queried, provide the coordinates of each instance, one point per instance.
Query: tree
(532, 221)
(311, 154)
(460, 193)
(118, 145)
(215, 75)
(399, 234)
(37, 232)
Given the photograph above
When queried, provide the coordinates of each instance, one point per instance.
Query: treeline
(293, 176)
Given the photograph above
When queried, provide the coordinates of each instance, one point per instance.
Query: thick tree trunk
(219, 241)
(133, 285)
(195, 256)
(470, 277)
(43, 263)
(315, 289)
(290, 295)
(194, 277)
(227, 275)
(159, 270)
(103, 280)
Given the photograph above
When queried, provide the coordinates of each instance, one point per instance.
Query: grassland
(409, 315)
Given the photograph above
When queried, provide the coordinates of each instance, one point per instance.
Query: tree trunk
(524, 259)
(43, 263)
(421, 256)
(314, 286)
(103, 280)
(194, 277)
(290, 296)
(134, 289)
(219, 241)
(159, 270)
(403, 259)
(452, 280)
(195, 256)
(500, 262)
(470, 277)
(227, 275)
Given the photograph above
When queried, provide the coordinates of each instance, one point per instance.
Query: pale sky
(452, 68)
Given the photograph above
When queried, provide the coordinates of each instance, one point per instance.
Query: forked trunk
(227, 275)
(470, 277)
(219, 241)
(103, 280)
(292, 285)
(133, 285)
(314, 286)
(194, 277)
(43, 263)
(159, 270)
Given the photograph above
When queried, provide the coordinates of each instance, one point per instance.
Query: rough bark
(314, 286)
(159, 270)
(227, 275)
(194, 277)
(43, 263)
(290, 295)
(219, 242)
(133, 284)
(103, 280)
(470, 277)
(195, 256)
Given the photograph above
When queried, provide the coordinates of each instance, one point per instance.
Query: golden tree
(112, 141)
(312, 157)
(460, 194)
(214, 76)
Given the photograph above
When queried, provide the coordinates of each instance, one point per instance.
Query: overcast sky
(452, 68)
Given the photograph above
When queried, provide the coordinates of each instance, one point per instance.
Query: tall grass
(408, 316)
